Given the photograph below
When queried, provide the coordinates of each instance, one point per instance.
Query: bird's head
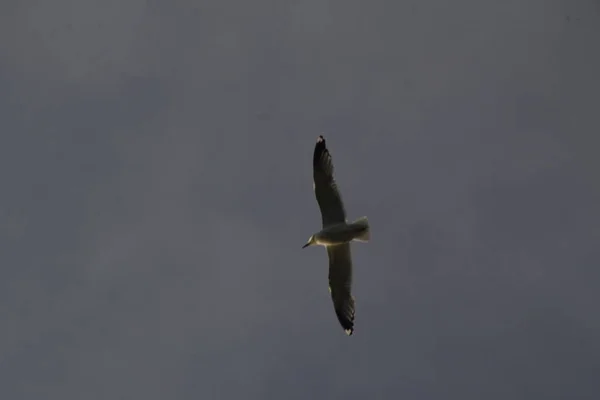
(311, 241)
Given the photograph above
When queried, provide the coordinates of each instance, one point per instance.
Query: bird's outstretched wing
(326, 190)
(340, 282)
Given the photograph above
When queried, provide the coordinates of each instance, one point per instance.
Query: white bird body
(343, 233)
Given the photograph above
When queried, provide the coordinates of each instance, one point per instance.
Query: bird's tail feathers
(362, 224)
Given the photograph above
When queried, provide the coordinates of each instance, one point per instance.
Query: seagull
(336, 235)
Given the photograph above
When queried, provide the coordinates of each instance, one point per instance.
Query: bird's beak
(306, 245)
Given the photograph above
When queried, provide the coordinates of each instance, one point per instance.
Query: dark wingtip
(347, 322)
(348, 326)
(320, 149)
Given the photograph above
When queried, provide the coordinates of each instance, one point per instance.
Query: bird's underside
(333, 213)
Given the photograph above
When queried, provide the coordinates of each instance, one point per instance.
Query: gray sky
(157, 188)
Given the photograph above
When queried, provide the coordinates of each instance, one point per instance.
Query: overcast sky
(155, 167)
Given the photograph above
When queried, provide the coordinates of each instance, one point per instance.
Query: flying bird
(336, 235)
